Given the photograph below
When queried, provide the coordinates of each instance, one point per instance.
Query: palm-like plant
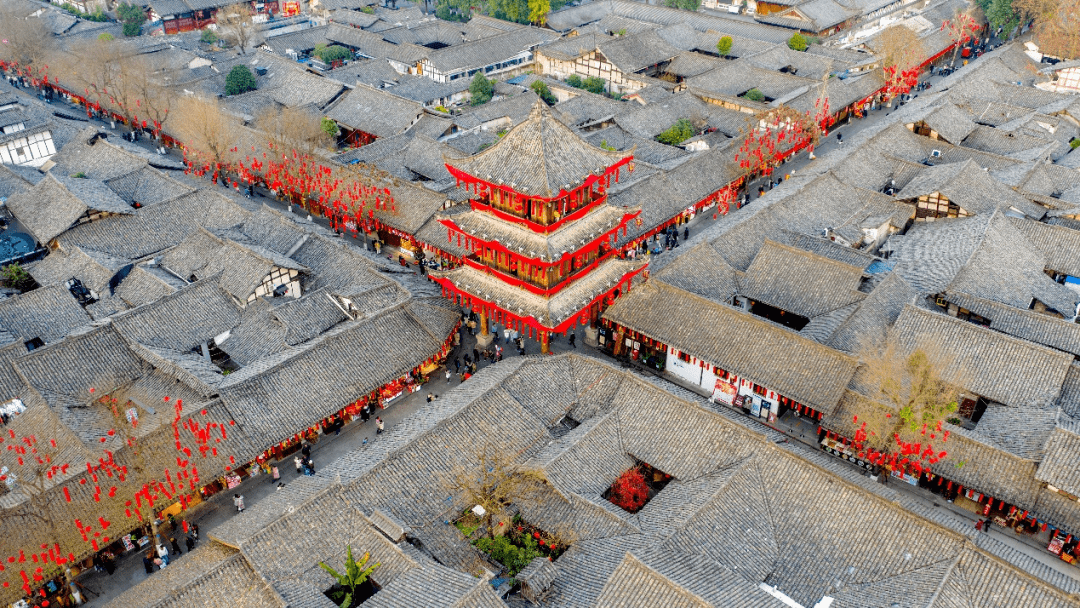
(356, 574)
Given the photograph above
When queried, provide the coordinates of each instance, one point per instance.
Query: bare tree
(902, 402)
(23, 40)
(961, 28)
(901, 53)
(208, 132)
(1057, 25)
(235, 24)
(292, 129)
(495, 479)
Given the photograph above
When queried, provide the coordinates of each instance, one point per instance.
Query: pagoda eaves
(541, 158)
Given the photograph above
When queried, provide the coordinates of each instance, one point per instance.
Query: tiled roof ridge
(752, 318)
(810, 254)
(178, 590)
(941, 585)
(676, 587)
(542, 114)
(300, 350)
(926, 313)
(206, 282)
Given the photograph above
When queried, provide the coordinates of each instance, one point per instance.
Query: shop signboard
(232, 480)
(755, 407)
(910, 479)
(740, 401)
(724, 392)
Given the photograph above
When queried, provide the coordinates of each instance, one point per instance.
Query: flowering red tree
(630, 492)
(902, 54)
(777, 134)
(899, 423)
(77, 494)
(961, 28)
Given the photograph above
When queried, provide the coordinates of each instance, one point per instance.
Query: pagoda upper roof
(539, 157)
(546, 247)
(549, 312)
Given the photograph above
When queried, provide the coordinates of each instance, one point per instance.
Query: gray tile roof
(240, 267)
(967, 185)
(1058, 466)
(374, 111)
(636, 52)
(656, 118)
(991, 364)
(263, 395)
(182, 320)
(800, 282)
(485, 51)
(1037, 327)
(147, 283)
(53, 205)
(98, 359)
(157, 227)
(968, 259)
(1057, 243)
(558, 159)
(49, 313)
(92, 268)
(737, 343)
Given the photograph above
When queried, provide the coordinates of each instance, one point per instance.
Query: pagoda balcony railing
(473, 243)
(537, 227)
(531, 287)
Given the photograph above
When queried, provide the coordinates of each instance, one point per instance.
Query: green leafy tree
(541, 89)
(1002, 14)
(575, 81)
(797, 42)
(686, 5)
(454, 10)
(332, 53)
(538, 10)
(133, 18)
(594, 84)
(105, 37)
(15, 276)
(240, 80)
(208, 36)
(510, 10)
(723, 46)
(356, 574)
(481, 89)
(329, 127)
(677, 133)
(754, 95)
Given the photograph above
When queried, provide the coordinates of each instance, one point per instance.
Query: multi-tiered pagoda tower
(539, 232)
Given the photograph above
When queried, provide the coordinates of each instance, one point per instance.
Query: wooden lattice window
(937, 205)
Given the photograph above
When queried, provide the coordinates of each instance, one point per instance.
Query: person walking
(175, 546)
(378, 425)
(573, 340)
(148, 562)
(476, 354)
(457, 365)
(686, 233)
(189, 543)
(298, 463)
(448, 373)
(275, 475)
(238, 501)
(163, 554)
